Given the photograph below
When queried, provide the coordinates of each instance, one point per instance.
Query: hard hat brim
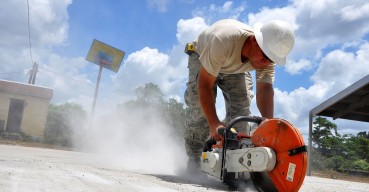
(259, 39)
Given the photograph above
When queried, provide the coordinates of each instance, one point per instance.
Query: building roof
(26, 89)
(352, 103)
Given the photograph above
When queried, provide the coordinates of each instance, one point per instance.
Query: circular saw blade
(290, 170)
(262, 182)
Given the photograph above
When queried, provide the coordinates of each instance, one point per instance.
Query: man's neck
(246, 49)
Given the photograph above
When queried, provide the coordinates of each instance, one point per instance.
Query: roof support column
(310, 143)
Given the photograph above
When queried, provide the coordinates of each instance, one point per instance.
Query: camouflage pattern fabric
(237, 91)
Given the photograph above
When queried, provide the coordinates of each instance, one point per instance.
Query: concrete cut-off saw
(274, 156)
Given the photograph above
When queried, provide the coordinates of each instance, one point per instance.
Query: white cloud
(140, 67)
(213, 12)
(48, 23)
(287, 14)
(159, 5)
(148, 60)
(355, 12)
(188, 30)
(325, 21)
(297, 67)
(295, 105)
(343, 68)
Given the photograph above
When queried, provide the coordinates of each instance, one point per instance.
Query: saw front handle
(251, 119)
(227, 130)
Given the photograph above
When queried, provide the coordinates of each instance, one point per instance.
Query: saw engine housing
(253, 159)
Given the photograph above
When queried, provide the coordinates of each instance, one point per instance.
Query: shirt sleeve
(266, 75)
(213, 56)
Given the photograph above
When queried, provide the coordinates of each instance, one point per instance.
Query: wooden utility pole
(32, 77)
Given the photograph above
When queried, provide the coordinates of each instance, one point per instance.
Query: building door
(15, 115)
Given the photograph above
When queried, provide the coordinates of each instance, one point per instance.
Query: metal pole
(31, 74)
(35, 70)
(96, 91)
(310, 143)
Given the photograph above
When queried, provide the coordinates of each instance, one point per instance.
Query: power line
(6, 73)
(29, 34)
(79, 81)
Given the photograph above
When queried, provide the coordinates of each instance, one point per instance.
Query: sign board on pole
(105, 55)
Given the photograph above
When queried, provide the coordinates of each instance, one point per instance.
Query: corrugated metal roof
(352, 103)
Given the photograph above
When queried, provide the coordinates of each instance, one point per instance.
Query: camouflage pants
(237, 92)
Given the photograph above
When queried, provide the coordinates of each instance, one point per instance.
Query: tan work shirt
(220, 47)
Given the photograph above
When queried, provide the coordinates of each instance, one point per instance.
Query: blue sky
(330, 51)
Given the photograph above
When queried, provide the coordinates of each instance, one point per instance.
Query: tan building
(23, 109)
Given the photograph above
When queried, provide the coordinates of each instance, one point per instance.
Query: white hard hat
(276, 39)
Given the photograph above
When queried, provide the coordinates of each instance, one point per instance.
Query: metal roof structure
(352, 104)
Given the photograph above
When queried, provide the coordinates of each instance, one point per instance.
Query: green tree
(61, 122)
(330, 150)
(323, 130)
(335, 162)
(360, 164)
(363, 134)
(336, 152)
(333, 146)
(358, 148)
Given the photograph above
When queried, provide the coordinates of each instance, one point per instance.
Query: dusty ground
(341, 176)
(40, 169)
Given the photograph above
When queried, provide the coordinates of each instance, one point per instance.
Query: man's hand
(214, 131)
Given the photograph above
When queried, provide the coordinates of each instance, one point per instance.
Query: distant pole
(32, 77)
(34, 73)
(96, 91)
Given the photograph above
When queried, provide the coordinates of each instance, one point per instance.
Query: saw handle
(224, 130)
(252, 119)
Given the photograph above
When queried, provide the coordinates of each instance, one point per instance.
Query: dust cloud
(137, 140)
(141, 141)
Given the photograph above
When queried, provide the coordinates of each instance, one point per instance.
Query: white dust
(137, 140)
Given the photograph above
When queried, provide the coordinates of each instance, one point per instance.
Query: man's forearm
(206, 98)
(207, 103)
(265, 100)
